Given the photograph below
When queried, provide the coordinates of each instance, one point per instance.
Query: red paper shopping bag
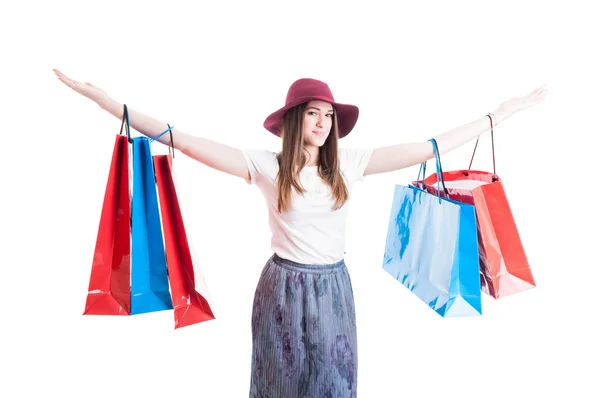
(109, 291)
(190, 306)
(504, 268)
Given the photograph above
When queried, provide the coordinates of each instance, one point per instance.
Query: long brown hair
(292, 159)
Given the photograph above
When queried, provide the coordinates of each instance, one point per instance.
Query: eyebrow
(314, 107)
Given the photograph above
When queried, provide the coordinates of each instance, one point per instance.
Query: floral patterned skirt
(303, 332)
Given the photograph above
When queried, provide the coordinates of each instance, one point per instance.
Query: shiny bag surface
(432, 248)
(109, 291)
(189, 300)
(149, 279)
(504, 268)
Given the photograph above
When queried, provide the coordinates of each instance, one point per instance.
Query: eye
(330, 115)
(312, 113)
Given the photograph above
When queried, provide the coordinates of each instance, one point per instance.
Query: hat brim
(347, 115)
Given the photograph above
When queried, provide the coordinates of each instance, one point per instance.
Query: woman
(303, 321)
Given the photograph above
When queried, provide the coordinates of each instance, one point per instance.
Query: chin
(313, 142)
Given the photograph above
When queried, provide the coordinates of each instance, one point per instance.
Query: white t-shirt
(310, 232)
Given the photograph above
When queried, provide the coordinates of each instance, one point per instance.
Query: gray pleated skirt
(303, 332)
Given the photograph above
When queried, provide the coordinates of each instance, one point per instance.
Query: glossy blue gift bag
(432, 248)
(149, 280)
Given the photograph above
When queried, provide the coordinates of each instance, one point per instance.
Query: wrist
(105, 103)
(109, 104)
(500, 115)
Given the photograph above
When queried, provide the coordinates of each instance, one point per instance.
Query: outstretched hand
(86, 89)
(516, 104)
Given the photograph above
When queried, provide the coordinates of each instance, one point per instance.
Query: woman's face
(318, 119)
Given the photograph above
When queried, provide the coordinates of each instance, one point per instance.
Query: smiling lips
(319, 133)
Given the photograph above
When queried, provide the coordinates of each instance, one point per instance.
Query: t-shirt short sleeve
(261, 164)
(354, 162)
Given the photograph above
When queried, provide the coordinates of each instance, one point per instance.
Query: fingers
(536, 96)
(541, 90)
(63, 78)
(60, 75)
(68, 81)
(541, 93)
(74, 84)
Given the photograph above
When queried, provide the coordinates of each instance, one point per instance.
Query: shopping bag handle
(172, 146)
(125, 118)
(493, 152)
(438, 166)
(419, 178)
(163, 133)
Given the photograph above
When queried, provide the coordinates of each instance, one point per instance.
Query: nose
(320, 121)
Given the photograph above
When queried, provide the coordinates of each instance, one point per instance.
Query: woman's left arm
(396, 157)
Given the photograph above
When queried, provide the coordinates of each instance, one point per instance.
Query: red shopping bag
(190, 307)
(504, 268)
(109, 289)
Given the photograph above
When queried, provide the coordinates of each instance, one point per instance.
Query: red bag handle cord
(123, 120)
(493, 151)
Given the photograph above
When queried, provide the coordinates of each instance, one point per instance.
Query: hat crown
(304, 90)
(308, 88)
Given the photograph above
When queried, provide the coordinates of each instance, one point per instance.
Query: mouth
(319, 133)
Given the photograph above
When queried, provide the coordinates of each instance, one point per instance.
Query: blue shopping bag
(149, 280)
(432, 248)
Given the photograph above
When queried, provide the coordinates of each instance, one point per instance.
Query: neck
(313, 159)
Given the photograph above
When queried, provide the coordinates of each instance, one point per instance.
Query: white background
(217, 69)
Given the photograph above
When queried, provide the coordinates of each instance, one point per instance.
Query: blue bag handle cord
(421, 169)
(438, 166)
(493, 151)
(163, 133)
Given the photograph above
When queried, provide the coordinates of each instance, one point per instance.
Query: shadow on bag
(432, 249)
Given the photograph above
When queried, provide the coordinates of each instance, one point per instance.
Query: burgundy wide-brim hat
(304, 90)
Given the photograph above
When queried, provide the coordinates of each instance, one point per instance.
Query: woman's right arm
(219, 156)
(211, 153)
